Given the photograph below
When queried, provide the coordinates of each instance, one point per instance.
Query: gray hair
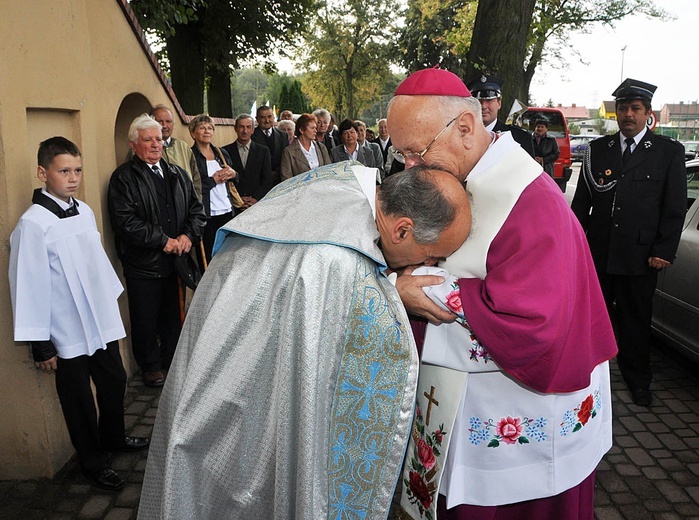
(286, 122)
(244, 116)
(414, 194)
(142, 122)
(321, 112)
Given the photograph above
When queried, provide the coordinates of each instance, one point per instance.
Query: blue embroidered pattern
(368, 399)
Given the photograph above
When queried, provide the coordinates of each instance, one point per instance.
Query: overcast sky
(665, 54)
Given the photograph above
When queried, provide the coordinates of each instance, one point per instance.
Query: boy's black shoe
(134, 444)
(107, 478)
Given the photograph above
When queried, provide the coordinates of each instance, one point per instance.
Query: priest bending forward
(292, 390)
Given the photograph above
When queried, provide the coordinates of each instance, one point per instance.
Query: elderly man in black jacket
(156, 216)
(631, 200)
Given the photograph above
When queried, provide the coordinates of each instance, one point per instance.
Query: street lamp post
(623, 49)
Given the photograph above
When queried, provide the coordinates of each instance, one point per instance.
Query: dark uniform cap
(634, 89)
(486, 87)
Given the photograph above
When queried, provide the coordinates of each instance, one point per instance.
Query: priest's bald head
(434, 120)
(423, 215)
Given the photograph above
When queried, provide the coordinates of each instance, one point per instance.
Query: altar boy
(64, 301)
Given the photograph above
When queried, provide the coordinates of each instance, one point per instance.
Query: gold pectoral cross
(431, 400)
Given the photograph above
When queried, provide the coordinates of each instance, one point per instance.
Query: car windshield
(556, 128)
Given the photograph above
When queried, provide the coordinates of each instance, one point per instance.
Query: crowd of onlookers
(225, 181)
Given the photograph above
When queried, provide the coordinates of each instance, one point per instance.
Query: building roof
(682, 109)
(573, 112)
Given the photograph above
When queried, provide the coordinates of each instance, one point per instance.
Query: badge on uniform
(600, 181)
(607, 172)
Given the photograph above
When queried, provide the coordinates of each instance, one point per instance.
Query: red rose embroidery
(425, 454)
(419, 489)
(454, 302)
(509, 429)
(439, 435)
(585, 411)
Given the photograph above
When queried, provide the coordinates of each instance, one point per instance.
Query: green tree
(440, 32)
(347, 55)
(298, 102)
(499, 44)
(436, 33)
(249, 86)
(205, 40)
(284, 98)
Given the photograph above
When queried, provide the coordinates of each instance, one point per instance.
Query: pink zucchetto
(433, 82)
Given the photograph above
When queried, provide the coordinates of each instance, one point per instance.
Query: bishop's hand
(416, 301)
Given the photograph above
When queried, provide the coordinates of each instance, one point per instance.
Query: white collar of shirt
(384, 143)
(268, 132)
(352, 156)
(63, 204)
(160, 169)
(167, 142)
(636, 139)
(492, 124)
(245, 146)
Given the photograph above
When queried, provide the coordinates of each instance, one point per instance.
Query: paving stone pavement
(651, 473)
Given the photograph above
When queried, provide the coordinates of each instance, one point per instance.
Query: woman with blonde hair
(218, 192)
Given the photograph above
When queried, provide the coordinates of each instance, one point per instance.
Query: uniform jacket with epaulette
(632, 212)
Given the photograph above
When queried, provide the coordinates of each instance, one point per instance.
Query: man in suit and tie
(488, 90)
(369, 146)
(251, 160)
(631, 200)
(275, 140)
(384, 142)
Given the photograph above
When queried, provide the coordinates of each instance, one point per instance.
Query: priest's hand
(416, 301)
(185, 244)
(50, 365)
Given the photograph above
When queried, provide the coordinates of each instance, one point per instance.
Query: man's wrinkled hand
(185, 244)
(416, 301)
(172, 247)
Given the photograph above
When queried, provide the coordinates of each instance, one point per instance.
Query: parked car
(558, 128)
(676, 300)
(578, 145)
(691, 150)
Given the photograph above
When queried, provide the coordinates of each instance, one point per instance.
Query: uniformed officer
(631, 200)
(488, 90)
